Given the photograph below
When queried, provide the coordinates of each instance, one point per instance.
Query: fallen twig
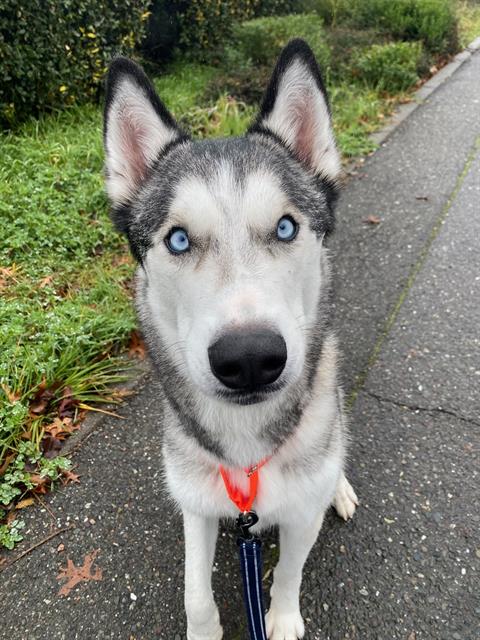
(46, 507)
(35, 546)
(82, 405)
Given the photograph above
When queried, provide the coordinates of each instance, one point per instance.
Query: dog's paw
(204, 624)
(345, 501)
(213, 634)
(284, 626)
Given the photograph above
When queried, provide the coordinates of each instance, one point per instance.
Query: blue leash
(250, 550)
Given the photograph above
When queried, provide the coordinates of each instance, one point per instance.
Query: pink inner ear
(305, 138)
(133, 137)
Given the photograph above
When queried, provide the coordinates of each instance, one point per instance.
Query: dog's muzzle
(248, 360)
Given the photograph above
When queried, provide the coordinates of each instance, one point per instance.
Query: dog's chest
(283, 492)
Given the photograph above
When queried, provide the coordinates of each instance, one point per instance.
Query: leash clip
(243, 523)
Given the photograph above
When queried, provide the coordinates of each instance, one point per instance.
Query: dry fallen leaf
(42, 399)
(11, 395)
(69, 476)
(74, 575)
(61, 428)
(136, 346)
(123, 258)
(50, 446)
(5, 464)
(41, 483)
(119, 394)
(45, 281)
(24, 503)
(7, 274)
(61, 547)
(67, 406)
(371, 219)
(55, 429)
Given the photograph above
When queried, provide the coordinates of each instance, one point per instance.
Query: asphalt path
(408, 312)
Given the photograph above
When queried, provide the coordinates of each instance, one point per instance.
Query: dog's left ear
(295, 110)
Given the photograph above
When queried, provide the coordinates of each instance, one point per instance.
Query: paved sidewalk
(407, 566)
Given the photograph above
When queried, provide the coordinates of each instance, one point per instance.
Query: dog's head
(228, 233)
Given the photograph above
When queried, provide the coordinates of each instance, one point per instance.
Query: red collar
(244, 503)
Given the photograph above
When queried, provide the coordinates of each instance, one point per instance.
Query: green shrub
(332, 12)
(345, 43)
(162, 31)
(200, 28)
(390, 67)
(54, 52)
(275, 7)
(432, 21)
(205, 25)
(243, 85)
(261, 40)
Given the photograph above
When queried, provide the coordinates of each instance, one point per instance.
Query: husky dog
(234, 302)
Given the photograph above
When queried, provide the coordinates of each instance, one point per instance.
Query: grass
(65, 310)
(65, 275)
(183, 88)
(357, 112)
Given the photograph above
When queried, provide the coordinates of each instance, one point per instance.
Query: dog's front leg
(203, 621)
(284, 621)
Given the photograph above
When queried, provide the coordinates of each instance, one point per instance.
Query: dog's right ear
(137, 128)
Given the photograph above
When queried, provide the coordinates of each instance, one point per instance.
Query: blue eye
(177, 240)
(287, 229)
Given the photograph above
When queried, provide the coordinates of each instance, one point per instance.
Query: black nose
(248, 359)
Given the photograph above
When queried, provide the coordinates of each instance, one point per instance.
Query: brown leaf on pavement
(24, 503)
(136, 345)
(371, 219)
(69, 476)
(119, 394)
(74, 575)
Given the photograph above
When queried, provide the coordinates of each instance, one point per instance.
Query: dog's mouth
(245, 397)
